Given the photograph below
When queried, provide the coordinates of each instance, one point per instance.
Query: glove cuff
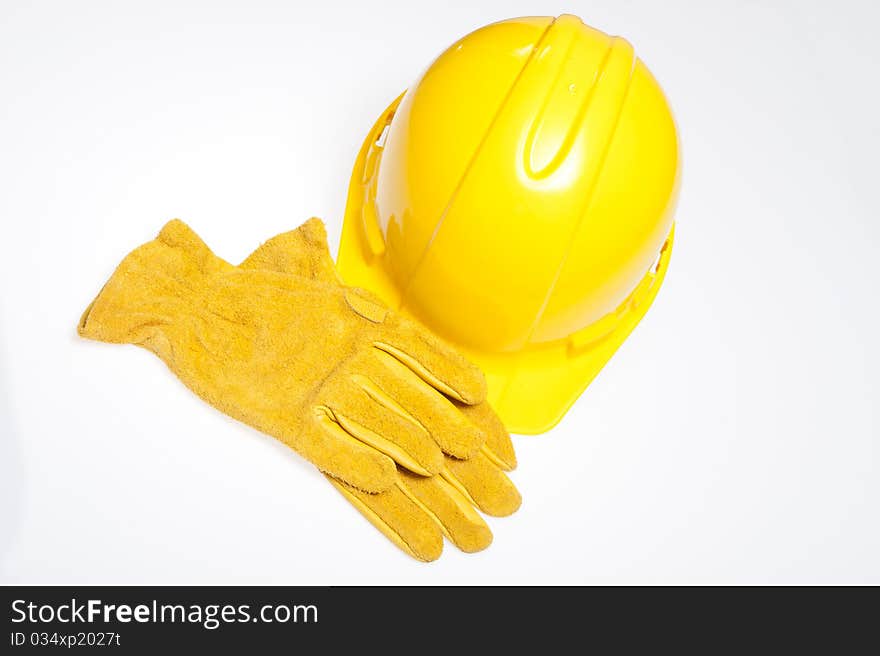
(153, 286)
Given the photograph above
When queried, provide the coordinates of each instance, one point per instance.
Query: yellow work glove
(417, 511)
(326, 369)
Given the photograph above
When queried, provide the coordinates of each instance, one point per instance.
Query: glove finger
(498, 446)
(360, 408)
(432, 360)
(399, 518)
(452, 510)
(391, 380)
(326, 444)
(483, 484)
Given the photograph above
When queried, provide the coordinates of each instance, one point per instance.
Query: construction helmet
(518, 200)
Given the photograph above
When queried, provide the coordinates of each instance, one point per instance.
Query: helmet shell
(518, 194)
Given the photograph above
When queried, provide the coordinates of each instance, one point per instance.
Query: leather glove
(418, 510)
(326, 369)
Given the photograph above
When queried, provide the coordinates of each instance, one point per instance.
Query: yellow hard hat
(518, 199)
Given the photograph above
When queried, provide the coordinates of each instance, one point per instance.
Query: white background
(733, 439)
